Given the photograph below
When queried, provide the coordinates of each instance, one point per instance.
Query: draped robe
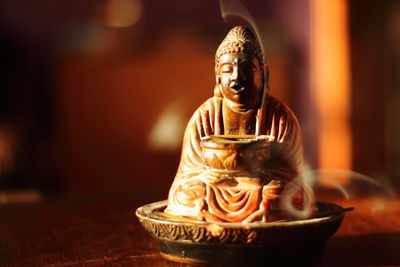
(194, 195)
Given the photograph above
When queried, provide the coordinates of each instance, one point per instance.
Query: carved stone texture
(241, 147)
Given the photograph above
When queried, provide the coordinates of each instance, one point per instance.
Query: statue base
(299, 242)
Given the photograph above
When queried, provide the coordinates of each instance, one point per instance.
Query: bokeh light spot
(123, 13)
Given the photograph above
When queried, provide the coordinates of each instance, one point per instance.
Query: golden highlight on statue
(241, 147)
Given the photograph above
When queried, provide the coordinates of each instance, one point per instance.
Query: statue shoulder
(277, 119)
(208, 106)
(206, 120)
(276, 103)
(276, 106)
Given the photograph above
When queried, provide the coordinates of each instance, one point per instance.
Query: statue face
(241, 79)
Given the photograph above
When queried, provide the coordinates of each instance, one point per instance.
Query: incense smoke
(309, 181)
(231, 9)
(320, 180)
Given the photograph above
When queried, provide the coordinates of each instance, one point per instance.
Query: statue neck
(236, 107)
(237, 120)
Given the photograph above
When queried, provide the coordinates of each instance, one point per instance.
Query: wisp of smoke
(312, 180)
(234, 9)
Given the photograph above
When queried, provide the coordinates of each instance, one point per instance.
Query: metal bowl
(284, 243)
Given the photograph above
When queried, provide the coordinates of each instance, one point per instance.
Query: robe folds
(195, 194)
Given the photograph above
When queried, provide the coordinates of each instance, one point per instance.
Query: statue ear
(217, 91)
(218, 79)
(266, 79)
(267, 71)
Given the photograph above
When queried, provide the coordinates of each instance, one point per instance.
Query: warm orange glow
(123, 13)
(331, 82)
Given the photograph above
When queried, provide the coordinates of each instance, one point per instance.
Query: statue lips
(236, 87)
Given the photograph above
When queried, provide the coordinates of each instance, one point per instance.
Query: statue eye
(250, 67)
(226, 68)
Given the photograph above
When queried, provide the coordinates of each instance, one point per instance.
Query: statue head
(239, 69)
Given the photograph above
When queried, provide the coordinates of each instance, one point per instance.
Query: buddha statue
(241, 147)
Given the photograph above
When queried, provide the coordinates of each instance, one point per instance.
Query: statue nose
(235, 85)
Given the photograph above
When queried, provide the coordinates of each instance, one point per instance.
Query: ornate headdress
(239, 40)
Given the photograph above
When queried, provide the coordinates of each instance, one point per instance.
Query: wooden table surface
(103, 231)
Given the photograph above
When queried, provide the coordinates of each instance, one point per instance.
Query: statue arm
(186, 195)
(286, 145)
(199, 127)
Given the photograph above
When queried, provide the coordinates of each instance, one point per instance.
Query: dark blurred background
(95, 95)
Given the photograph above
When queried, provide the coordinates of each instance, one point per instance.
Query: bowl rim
(151, 212)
